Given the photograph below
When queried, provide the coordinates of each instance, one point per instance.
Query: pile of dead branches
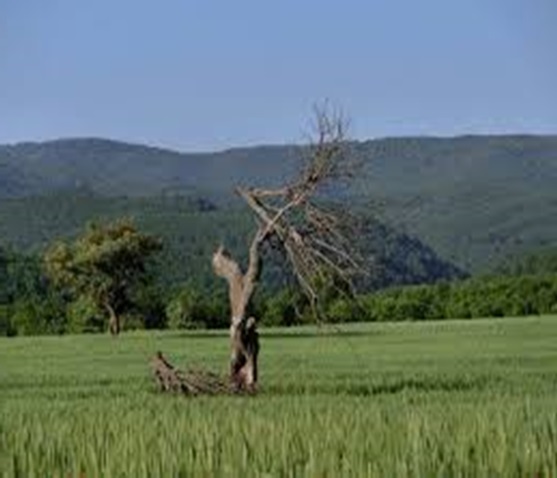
(188, 382)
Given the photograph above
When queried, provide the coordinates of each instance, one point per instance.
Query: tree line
(67, 290)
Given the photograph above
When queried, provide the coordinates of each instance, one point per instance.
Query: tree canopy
(103, 265)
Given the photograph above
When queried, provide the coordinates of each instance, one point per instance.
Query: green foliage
(84, 316)
(20, 276)
(343, 310)
(6, 327)
(5, 279)
(39, 315)
(287, 307)
(33, 306)
(480, 297)
(191, 232)
(192, 308)
(458, 398)
(474, 199)
(543, 261)
(104, 265)
(187, 310)
(28, 303)
(149, 302)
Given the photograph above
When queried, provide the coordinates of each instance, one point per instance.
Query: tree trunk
(244, 341)
(244, 338)
(113, 321)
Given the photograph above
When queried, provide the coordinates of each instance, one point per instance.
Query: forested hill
(191, 230)
(474, 199)
(390, 166)
(120, 169)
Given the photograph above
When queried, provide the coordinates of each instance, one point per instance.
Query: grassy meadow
(452, 398)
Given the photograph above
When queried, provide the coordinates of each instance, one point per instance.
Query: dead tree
(309, 234)
(244, 339)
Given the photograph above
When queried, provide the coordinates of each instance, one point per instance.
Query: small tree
(104, 265)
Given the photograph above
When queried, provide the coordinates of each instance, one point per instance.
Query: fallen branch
(188, 382)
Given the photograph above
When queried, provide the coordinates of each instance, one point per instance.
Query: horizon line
(160, 146)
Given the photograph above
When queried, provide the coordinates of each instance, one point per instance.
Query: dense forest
(474, 199)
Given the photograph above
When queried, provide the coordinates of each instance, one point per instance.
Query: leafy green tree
(104, 265)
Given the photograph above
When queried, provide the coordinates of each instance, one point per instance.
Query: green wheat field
(451, 398)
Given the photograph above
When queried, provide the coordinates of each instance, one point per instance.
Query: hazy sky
(209, 74)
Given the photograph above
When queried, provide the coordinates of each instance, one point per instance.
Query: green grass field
(455, 398)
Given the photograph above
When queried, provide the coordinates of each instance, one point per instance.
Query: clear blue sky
(209, 74)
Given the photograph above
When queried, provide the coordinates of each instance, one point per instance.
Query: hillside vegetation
(474, 199)
(192, 228)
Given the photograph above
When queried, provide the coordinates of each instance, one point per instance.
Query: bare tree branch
(311, 236)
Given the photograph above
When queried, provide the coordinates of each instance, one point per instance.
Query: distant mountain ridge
(116, 168)
(475, 199)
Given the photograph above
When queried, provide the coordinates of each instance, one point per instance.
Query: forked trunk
(244, 339)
